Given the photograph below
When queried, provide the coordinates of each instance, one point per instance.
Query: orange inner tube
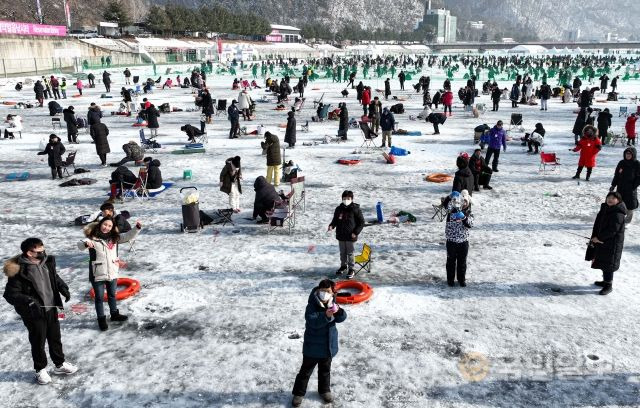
(365, 293)
(438, 178)
(132, 287)
(348, 162)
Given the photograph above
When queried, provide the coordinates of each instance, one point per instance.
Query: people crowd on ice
(34, 287)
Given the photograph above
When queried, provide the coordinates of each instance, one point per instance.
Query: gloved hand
(457, 216)
(35, 310)
(612, 188)
(66, 295)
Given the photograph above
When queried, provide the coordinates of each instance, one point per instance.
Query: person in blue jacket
(497, 139)
(320, 341)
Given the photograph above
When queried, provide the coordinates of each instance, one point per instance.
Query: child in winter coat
(589, 146)
(230, 178)
(102, 239)
(348, 223)
(459, 221)
(54, 149)
(447, 101)
(320, 341)
(630, 128)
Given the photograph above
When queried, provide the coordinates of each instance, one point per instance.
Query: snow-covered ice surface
(211, 325)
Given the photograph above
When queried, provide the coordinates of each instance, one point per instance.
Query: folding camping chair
(305, 127)
(516, 122)
(298, 194)
(363, 261)
(221, 107)
(56, 122)
(624, 111)
(220, 216)
(548, 159)
(203, 138)
(138, 189)
(147, 144)
(482, 108)
(69, 161)
(369, 136)
(282, 215)
(614, 138)
(439, 211)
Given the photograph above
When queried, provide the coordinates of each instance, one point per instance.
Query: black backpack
(397, 108)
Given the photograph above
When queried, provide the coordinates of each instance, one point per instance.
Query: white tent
(527, 49)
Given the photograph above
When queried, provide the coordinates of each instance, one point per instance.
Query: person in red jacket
(366, 99)
(630, 128)
(447, 101)
(589, 147)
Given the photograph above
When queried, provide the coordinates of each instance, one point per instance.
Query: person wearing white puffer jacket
(102, 241)
(244, 103)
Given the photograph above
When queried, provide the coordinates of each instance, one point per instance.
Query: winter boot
(599, 283)
(102, 323)
(341, 270)
(577, 176)
(588, 173)
(351, 273)
(327, 397)
(296, 401)
(117, 317)
(606, 288)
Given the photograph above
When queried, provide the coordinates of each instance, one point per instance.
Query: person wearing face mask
(320, 341)
(607, 240)
(348, 223)
(54, 149)
(34, 289)
(102, 240)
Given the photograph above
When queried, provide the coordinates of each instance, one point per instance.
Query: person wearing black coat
(207, 105)
(604, 83)
(54, 149)
(152, 115)
(581, 121)
(348, 223)
(436, 119)
(359, 91)
(481, 172)
(387, 88)
(604, 123)
(154, 175)
(191, 132)
(463, 179)
(38, 89)
(33, 288)
(626, 181)
(99, 134)
(94, 116)
(72, 124)
(234, 117)
(54, 108)
(585, 99)
(607, 240)
(437, 97)
(91, 78)
(401, 78)
(106, 79)
(545, 95)
(614, 83)
(320, 341)
(496, 94)
(343, 124)
(266, 197)
(290, 133)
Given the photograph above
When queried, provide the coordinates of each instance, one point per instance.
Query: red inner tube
(365, 293)
(132, 287)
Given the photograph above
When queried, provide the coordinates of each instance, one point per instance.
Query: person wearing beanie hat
(54, 149)
(230, 182)
(589, 146)
(463, 179)
(459, 221)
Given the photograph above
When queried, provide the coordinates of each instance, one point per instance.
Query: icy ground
(212, 324)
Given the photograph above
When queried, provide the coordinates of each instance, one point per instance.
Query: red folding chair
(548, 159)
(138, 189)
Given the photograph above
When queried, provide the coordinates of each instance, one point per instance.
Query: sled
(189, 151)
(17, 176)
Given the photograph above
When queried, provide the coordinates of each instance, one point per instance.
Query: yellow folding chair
(363, 261)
